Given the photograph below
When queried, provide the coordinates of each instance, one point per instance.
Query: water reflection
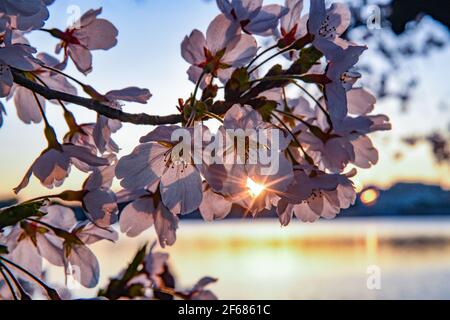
(328, 260)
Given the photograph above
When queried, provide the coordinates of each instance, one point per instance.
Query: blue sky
(148, 55)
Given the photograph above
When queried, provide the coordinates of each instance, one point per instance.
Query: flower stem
(293, 116)
(214, 116)
(292, 80)
(261, 54)
(307, 157)
(68, 116)
(41, 109)
(327, 115)
(194, 99)
(50, 291)
(23, 294)
(8, 283)
(65, 75)
(270, 58)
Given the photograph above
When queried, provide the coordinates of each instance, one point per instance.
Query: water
(326, 260)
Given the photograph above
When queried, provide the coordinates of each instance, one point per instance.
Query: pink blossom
(346, 143)
(231, 178)
(153, 164)
(154, 265)
(314, 194)
(292, 26)
(299, 106)
(52, 167)
(360, 101)
(214, 206)
(23, 15)
(327, 25)
(145, 212)
(99, 202)
(86, 35)
(34, 21)
(340, 80)
(30, 242)
(18, 56)
(78, 259)
(220, 52)
(137, 216)
(251, 16)
(105, 127)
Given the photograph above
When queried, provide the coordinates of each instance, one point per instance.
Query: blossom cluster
(316, 137)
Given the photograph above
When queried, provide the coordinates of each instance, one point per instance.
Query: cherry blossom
(30, 242)
(154, 264)
(28, 21)
(314, 194)
(79, 261)
(233, 178)
(223, 49)
(251, 16)
(360, 101)
(99, 202)
(86, 35)
(153, 165)
(214, 206)
(278, 146)
(105, 127)
(21, 7)
(52, 167)
(198, 292)
(327, 25)
(346, 143)
(138, 216)
(298, 106)
(23, 15)
(17, 56)
(293, 26)
(144, 211)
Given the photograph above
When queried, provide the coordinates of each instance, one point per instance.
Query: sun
(254, 188)
(370, 197)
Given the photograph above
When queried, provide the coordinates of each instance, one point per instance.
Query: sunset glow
(369, 197)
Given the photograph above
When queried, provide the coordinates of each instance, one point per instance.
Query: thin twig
(50, 291)
(140, 119)
(8, 283)
(23, 294)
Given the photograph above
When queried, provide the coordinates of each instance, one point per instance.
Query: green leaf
(118, 287)
(3, 250)
(12, 215)
(132, 269)
(135, 291)
(276, 70)
(308, 58)
(264, 107)
(238, 83)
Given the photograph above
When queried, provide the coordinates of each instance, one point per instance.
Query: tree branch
(140, 119)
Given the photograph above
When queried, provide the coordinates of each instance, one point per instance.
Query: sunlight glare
(254, 188)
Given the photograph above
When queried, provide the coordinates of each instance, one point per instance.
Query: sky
(148, 56)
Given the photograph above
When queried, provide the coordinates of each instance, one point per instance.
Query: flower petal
(166, 225)
(214, 206)
(181, 188)
(137, 217)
